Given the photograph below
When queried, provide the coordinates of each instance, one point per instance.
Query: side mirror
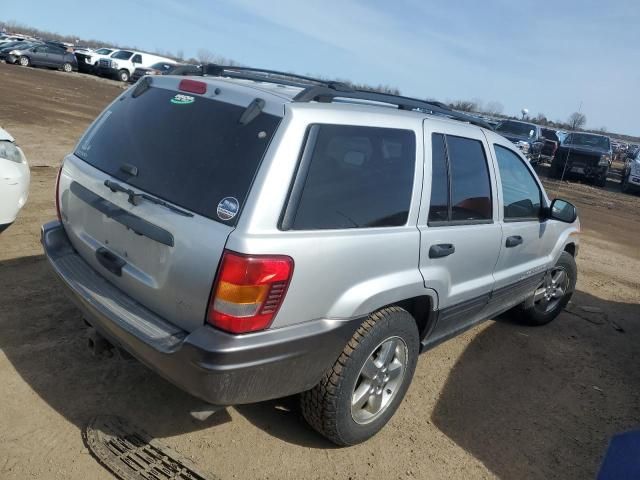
(563, 211)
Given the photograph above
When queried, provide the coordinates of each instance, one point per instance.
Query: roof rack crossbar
(271, 76)
(315, 89)
(328, 94)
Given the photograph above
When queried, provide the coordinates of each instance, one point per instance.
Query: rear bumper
(218, 367)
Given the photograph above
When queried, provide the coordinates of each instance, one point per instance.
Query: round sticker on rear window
(228, 208)
(181, 99)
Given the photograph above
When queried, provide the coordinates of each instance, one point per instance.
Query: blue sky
(545, 56)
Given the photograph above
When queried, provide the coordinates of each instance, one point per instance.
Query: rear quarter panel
(338, 274)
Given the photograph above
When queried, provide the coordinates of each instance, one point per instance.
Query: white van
(122, 64)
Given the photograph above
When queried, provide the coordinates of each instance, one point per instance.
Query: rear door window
(357, 177)
(460, 182)
(189, 150)
(470, 184)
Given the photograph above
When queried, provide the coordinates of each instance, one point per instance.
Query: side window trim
(294, 198)
(450, 222)
(300, 178)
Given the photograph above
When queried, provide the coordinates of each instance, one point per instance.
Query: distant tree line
(203, 55)
(576, 120)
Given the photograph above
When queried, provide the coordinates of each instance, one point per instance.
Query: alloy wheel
(379, 380)
(553, 288)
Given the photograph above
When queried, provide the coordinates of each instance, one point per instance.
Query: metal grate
(132, 454)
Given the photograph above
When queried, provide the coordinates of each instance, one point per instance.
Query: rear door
(38, 56)
(460, 236)
(55, 56)
(172, 146)
(527, 239)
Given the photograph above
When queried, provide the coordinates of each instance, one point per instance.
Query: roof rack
(325, 91)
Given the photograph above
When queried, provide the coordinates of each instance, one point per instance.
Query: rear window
(189, 150)
(357, 177)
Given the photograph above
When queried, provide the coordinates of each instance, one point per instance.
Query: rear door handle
(110, 261)
(514, 241)
(441, 250)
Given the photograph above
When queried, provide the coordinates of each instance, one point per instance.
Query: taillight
(248, 291)
(192, 86)
(58, 193)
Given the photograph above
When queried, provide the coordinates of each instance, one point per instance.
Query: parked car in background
(551, 143)
(159, 68)
(631, 174)
(304, 246)
(44, 56)
(6, 48)
(122, 63)
(88, 60)
(585, 154)
(526, 136)
(13, 38)
(186, 70)
(14, 179)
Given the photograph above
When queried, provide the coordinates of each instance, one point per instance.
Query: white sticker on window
(228, 208)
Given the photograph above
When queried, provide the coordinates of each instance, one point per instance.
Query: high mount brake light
(192, 86)
(248, 291)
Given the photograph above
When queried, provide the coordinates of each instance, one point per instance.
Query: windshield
(517, 128)
(191, 151)
(104, 51)
(122, 55)
(584, 139)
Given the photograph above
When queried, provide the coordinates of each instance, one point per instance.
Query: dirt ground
(501, 400)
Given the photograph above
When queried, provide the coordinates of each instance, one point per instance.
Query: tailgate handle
(110, 261)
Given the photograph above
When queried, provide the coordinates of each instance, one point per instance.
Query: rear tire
(24, 61)
(123, 76)
(602, 181)
(361, 392)
(551, 297)
(554, 170)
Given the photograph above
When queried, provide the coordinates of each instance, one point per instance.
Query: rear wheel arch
(570, 248)
(422, 309)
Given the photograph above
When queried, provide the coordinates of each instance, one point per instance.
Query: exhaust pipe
(98, 344)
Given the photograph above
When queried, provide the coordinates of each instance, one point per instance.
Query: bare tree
(206, 56)
(577, 120)
(541, 118)
(493, 108)
(464, 105)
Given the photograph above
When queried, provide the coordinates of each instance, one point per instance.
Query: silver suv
(251, 235)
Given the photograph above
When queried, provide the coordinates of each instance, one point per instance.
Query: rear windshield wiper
(134, 198)
(252, 111)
